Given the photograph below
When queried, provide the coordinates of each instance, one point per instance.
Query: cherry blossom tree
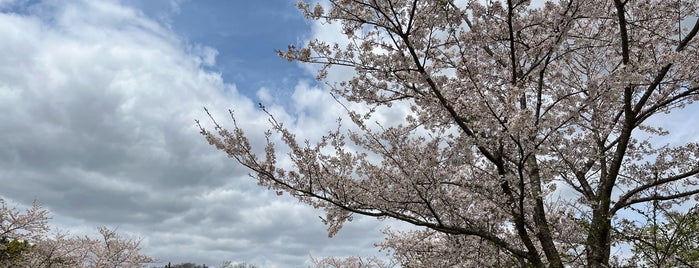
(351, 262)
(530, 133)
(27, 233)
(18, 229)
(113, 250)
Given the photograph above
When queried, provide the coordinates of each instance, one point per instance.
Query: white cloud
(97, 108)
(265, 95)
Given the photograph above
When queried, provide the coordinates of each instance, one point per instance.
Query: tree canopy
(25, 241)
(529, 136)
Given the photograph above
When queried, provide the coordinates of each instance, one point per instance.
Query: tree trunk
(598, 239)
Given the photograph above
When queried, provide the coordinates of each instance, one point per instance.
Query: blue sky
(97, 106)
(244, 33)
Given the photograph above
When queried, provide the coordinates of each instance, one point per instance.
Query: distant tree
(112, 250)
(12, 251)
(351, 262)
(666, 239)
(527, 131)
(185, 265)
(19, 230)
(231, 264)
(24, 242)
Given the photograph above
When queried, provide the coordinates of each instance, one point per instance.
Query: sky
(98, 101)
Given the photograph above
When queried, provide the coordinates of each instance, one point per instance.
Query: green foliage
(12, 250)
(673, 242)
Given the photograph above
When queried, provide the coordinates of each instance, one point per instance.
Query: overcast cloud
(97, 108)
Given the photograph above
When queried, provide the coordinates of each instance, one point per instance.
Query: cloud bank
(97, 108)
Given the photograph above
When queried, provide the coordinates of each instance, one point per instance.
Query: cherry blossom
(528, 140)
(58, 249)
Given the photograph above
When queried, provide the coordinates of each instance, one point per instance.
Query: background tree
(529, 126)
(25, 242)
(12, 250)
(18, 230)
(351, 262)
(113, 250)
(225, 264)
(185, 265)
(667, 238)
(231, 264)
